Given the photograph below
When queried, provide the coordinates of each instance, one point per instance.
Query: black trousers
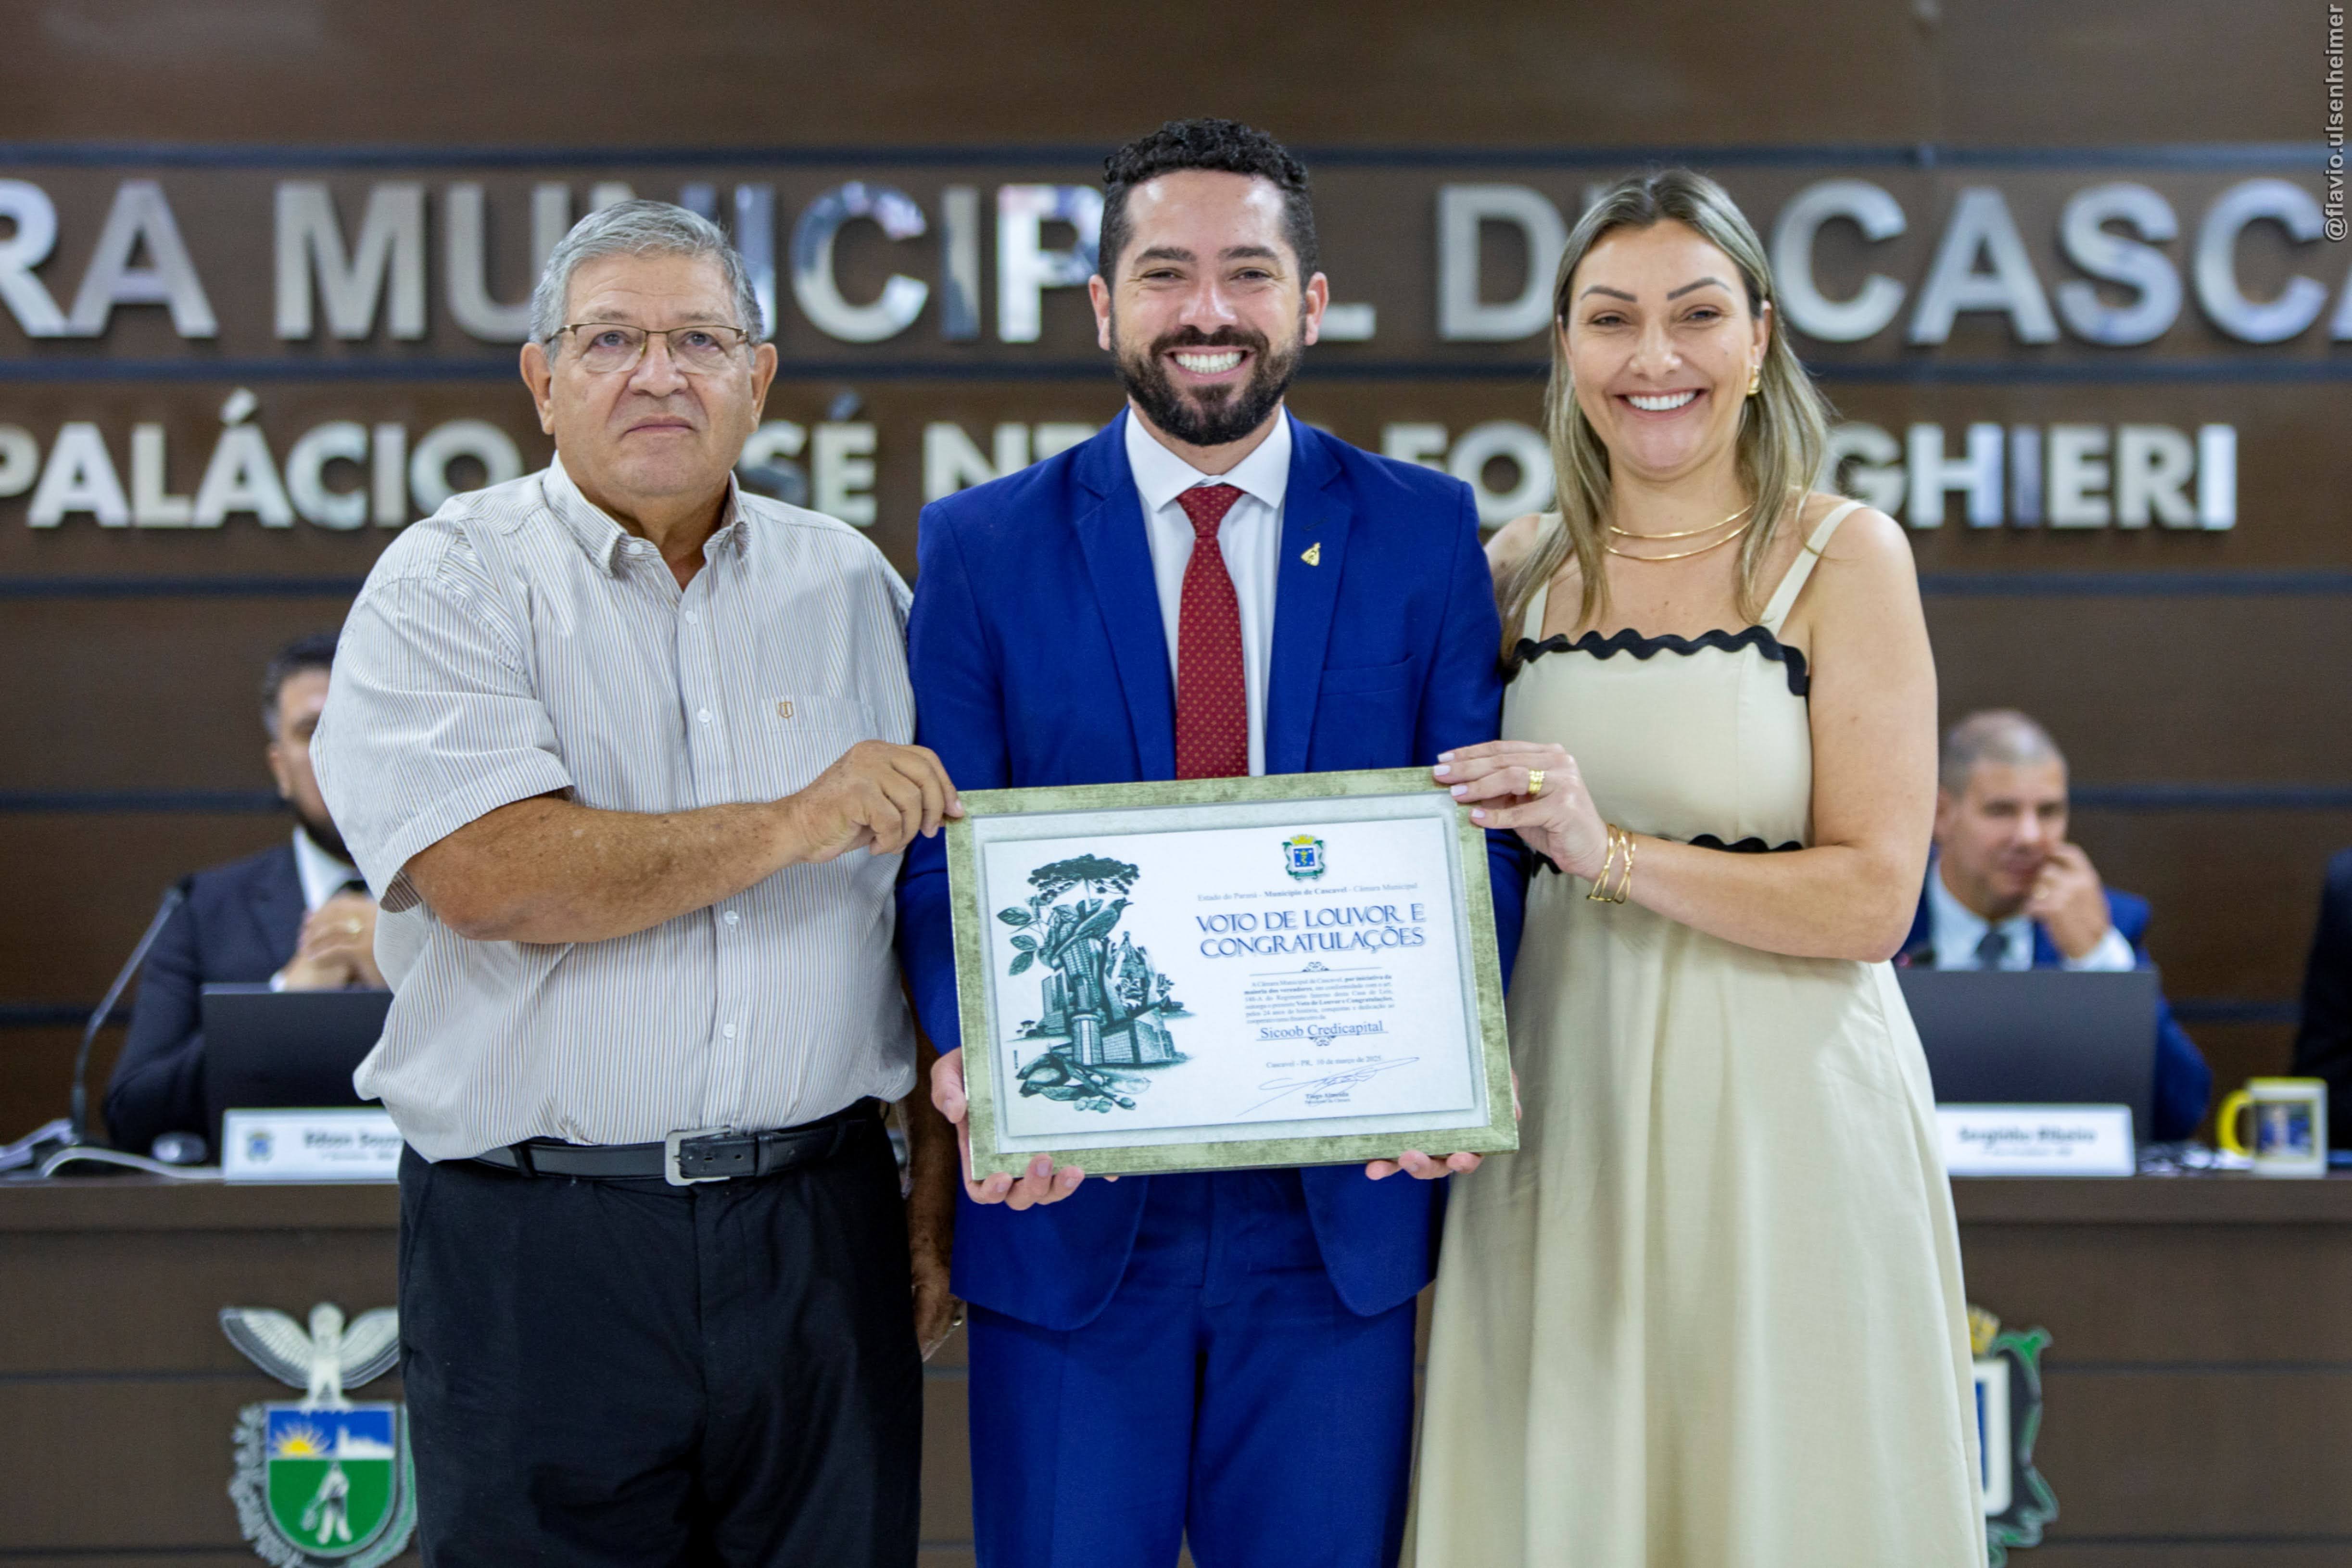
(629, 1373)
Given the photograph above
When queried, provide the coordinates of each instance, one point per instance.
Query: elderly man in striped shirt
(624, 752)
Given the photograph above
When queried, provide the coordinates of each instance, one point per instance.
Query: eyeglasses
(608, 347)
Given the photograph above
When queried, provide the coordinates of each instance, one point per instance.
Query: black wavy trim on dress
(1751, 846)
(1704, 841)
(1632, 642)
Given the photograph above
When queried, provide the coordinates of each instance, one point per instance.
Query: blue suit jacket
(2183, 1082)
(1039, 659)
(239, 926)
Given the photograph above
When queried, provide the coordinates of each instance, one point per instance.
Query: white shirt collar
(1160, 476)
(1958, 928)
(604, 539)
(321, 874)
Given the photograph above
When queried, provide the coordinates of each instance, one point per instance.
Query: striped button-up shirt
(520, 643)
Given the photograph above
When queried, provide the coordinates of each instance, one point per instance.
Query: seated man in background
(296, 915)
(2005, 890)
(2323, 1046)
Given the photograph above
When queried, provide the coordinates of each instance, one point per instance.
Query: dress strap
(1802, 568)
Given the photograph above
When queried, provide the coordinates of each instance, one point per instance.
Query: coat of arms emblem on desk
(322, 1482)
(2017, 1503)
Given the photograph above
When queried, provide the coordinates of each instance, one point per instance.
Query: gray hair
(2001, 736)
(639, 227)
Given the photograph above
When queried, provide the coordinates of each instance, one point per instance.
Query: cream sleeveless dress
(1709, 1315)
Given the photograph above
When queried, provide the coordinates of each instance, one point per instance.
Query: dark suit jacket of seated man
(2323, 1045)
(2006, 891)
(2184, 1083)
(244, 923)
(239, 923)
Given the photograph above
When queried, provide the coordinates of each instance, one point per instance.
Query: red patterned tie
(1212, 702)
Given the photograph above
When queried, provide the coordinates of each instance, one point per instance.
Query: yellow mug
(2290, 1125)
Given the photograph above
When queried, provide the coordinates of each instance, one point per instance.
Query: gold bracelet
(1607, 856)
(1599, 894)
(1625, 883)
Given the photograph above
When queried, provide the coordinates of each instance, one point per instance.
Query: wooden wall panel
(36, 1073)
(2198, 1382)
(144, 694)
(86, 1299)
(199, 1557)
(2184, 688)
(899, 72)
(114, 1375)
(81, 887)
(2235, 894)
(2237, 1052)
(2064, 1553)
(158, 1500)
(2168, 1294)
(2212, 1452)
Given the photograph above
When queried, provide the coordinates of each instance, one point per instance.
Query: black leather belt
(684, 1159)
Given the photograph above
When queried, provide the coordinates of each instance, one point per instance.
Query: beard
(321, 831)
(1217, 416)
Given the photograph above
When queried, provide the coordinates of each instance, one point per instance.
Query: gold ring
(1535, 783)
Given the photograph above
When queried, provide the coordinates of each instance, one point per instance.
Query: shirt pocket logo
(801, 734)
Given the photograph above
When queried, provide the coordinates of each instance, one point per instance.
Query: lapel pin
(1312, 555)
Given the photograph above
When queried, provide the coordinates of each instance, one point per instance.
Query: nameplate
(2036, 1140)
(349, 1144)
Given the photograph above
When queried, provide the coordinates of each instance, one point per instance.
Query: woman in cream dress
(1710, 1312)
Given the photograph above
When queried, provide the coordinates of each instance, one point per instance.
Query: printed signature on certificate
(1347, 1079)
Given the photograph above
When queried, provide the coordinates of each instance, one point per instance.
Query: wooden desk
(118, 1395)
(2198, 1387)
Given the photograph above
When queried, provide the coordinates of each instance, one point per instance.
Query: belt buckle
(672, 1171)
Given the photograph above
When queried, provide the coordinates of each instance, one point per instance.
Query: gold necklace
(1679, 554)
(1686, 534)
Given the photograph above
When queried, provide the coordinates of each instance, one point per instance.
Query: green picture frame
(1398, 794)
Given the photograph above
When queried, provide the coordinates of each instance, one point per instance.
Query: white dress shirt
(322, 875)
(519, 643)
(1958, 928)
(1250, 536)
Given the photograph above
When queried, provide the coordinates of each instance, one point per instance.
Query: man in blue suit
(1207, 588)
(2006, 891)
(295, 915)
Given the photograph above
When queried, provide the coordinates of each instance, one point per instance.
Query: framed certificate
(1221, 972)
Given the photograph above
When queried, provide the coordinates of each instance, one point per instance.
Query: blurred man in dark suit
(2006, 891)
(296, 916)
(2323, 1046)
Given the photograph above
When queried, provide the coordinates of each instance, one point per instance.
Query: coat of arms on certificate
(1226, 972)
(322, 1482)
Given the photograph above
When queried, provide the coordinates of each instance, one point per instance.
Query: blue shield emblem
(325, 1484)
(1302, 856)
(2017, 1503)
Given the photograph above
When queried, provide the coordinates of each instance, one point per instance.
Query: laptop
(265, 1049)
(2038, 1037)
